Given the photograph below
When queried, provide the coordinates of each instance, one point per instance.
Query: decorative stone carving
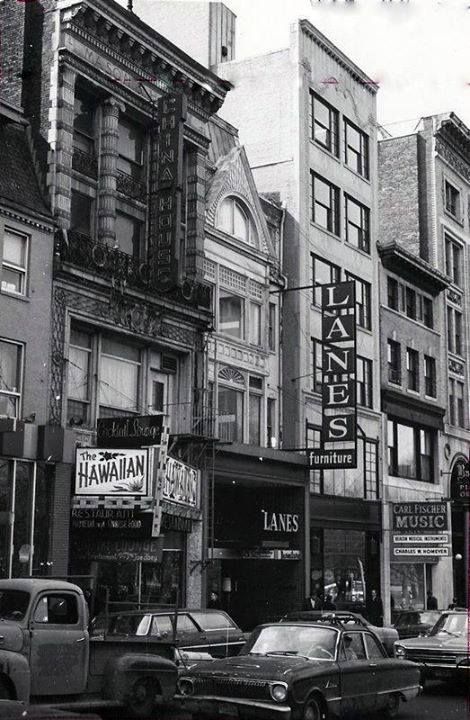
(456, 367)
(453, 158)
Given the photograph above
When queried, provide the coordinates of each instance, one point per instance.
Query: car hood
(262, 667)
(435, 642)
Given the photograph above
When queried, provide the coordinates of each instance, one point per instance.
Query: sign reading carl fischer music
(338, 379)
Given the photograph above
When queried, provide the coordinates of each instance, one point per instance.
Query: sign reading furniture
(339, 426)
(419, 531)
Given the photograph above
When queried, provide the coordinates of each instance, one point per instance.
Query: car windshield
(13, 604)
(309, 642)
(451, 624)
(428, 618)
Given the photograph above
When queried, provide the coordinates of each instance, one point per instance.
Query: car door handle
(372, 664)
(81, 639)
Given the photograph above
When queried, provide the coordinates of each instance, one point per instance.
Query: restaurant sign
(107, 471)
(181, 483)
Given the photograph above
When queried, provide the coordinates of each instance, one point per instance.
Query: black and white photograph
(234, 359)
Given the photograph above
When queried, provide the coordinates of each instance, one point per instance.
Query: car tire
(313, 710)
(393, 706)
(141, 700)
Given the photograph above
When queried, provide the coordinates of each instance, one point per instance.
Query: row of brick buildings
(127, 290)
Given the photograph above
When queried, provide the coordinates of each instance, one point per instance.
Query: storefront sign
(119, 550)
(130, 432)
(460, 482)
(420, 517)
(421, 539)
(264, 554)
(420, 552)
(280, 522)
(101, 471)
(181, 483)
(339, 424)
(419, 531)
(176, 523)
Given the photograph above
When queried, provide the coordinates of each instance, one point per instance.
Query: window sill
(415, 322)
(325, 150)
(359, 250)
(457, 220)
(17, 296)
(356, 174)
(327, 232)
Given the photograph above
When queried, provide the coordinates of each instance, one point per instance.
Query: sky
(418, 51)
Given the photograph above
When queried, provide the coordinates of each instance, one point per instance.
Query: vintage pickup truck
(47, 655)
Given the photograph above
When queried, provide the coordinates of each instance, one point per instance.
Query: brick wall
(11, 50)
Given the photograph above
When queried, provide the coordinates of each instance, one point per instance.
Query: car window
(185, 624)
(161, 624)
(129, 625)
(213, 621)
(374, 651)
(57, 609)
(353, 650)
(405, 620)
(429, 618)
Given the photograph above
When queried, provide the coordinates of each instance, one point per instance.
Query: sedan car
(444, 653)
(411, 623)
(301, 671)
(195, 632)
(386, 635)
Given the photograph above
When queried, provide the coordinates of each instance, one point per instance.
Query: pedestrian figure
(214, 601)
(453, 604)
(431, 602)
(329, 604)
(376, 609)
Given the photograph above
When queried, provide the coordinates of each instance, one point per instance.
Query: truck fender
(122, 672)
(15, 674)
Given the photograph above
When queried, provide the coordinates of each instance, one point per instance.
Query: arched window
(234, 219)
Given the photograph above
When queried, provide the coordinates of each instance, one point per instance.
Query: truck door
(59, 644)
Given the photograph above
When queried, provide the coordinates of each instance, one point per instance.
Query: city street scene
(234, 359)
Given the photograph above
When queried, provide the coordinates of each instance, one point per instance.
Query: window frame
(252, 238)
(394, 353)
(362, 157)
(453, 259)
(22, 272)
(88, 232)
(412, 369)
(20, 362)
(83, 96)
(393, 293)
(452, 200)
(334, 272)
(393, 450)
(272, 334)
(332, 210)
(240, 423)
(364, 387)
(136, 167)
(363, 301)
(429, 363)
(332, 131)
(315, 476)
(229, 293)
(363, 229)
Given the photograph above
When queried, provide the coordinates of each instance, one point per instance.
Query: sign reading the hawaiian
(460, 482)
(181, 483)
(107, 471)
(339, 426)
(131, 432)
(419, 530)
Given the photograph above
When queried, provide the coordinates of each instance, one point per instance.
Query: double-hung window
(81, 213)
(79, 373)
(231, 311)
(254, 324)
(410, 303)
(452, 200)
(363, 294)
(356, 149)
(313, 440)
(429, 376)
(410, 451)
(230, 414)
(323, 273)
(454, 260)
(394, 362)
(11, 362)
(392, 293)
(427, 312)
(14, 262)
(325, 204)
(119, 375)
(271, 439)
(357, 217)
(454, 331)
(254, 410)
(317, 371)
(130, 149)
(84, 123)
(129, 235)
(456, 404)
(364, 381)
(272, 326)
(412, 368)
(324, 124)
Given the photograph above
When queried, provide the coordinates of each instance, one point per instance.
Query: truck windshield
(13, 604)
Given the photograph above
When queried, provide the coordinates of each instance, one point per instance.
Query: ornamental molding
(244, 358)
(454, 297)
(27, 221)
(453, 159)
(231, 375)
(456, 367)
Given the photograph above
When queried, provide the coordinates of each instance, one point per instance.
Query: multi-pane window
(364, 381)
(357, 224)
(14, 263)
(363, 309)
(456, 403)
(78, 377)
(254, 419)
(130, 149)
(460, 403)
(118, 381)
(451, 408)
(324, 124)
(454, 331)
(454, 261)
(254, 324)
(370, 469)
(271, 423)
(129, 235)
(452, 200)
(234, 219)
(230, 314)
(429, 376)
(313, 440)
(392, 293)
(325, 204)
(84, 122)
(11, 359)
(272, 326)
(323, 273)
(410, 303)
(356, 149)
(230, 414)
(317, 376)
(394, 362)
(410, 451)
(427, 314)
(412, 369)
(81, 213)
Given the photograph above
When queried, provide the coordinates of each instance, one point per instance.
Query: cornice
(396, 258)
(20, 217)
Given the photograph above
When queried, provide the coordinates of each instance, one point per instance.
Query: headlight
(400, 651)
(278, 692)
(186, 686)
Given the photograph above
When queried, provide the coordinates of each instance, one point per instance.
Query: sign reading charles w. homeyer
(130, 432)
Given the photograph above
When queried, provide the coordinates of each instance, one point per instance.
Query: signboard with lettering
(181, 483)
(339, 424)
(130, 432)
(419, 531)
(107, 471)
(460, 483)
(117, 522)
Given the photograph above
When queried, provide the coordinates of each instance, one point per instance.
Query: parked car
(411, 623)
(444, 653)
(386, 635)
(308, 670)
(197, 631)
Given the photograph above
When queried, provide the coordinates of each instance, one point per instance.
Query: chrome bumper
(253, 708)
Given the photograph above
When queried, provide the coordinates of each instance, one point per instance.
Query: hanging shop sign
(181, 483)
(158, 472)
(129, 432)
(339, 413)
(100, 471)
(419, 531)
(460, 482)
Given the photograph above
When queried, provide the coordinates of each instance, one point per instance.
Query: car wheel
(313, 710)
(141, 700)
(393, 706)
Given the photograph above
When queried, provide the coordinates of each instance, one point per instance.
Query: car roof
(36, 584)
(326, 622)
(166, 611)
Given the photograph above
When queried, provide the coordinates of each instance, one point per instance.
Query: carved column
(196, 206)
(108, 165)
(62, 157)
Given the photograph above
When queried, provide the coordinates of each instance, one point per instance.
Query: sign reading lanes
(339, 425)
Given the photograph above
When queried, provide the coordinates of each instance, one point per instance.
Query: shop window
(452, 200)
(363, 308)
(234, 219)
(454, 260)
(81, 213)
(272, 327)
(344, 551)
(412, 369)
(324, 124)
(230, 414)
(429, 376)
(325, 204)
(407, 586)
(410, 451)
(15, 262)
(254, 324)
(130, 149)
(356, 149)
(394, 362)
(271, 440)
(129, 235)
(323, 273)
(357, 224)
(364, 381)
(392, 293)
(11, 363)
(231, 309)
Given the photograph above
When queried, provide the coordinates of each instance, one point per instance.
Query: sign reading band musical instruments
(339, 425)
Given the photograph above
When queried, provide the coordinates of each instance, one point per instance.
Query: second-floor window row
(410, 302)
